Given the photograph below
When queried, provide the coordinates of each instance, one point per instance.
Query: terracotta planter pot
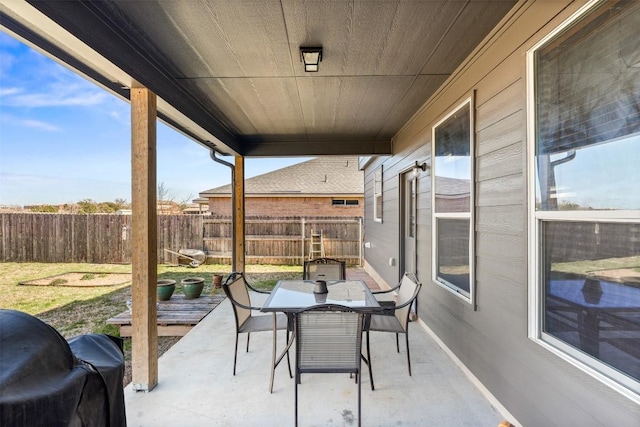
(192, 287)
(217, 283)
(165, 289)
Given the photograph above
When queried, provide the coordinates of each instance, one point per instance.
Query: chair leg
(397, 344)
(408, 353)
(235, 355)
(273, 353)
(248, 336)
(288, 359)
(369, 363)
(359, 400)
(296, 399)
(273, 356)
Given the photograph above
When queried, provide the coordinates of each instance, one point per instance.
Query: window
(452, 201)
(344, 202)
(586, 203)
(377, 195)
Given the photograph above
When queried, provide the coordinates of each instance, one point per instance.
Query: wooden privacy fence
(105, 238)
(41, 237)
(285, 241)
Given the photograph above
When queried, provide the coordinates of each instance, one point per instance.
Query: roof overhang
(228, 74)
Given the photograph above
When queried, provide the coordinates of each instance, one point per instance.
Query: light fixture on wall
(417, 168)
(311, 56)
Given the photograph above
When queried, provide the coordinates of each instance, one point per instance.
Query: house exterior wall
(289, 206)
(535, 386)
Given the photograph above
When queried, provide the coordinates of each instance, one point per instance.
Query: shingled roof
(318, 176)
(452, 187)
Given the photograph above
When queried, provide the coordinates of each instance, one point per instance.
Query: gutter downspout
(212, 151)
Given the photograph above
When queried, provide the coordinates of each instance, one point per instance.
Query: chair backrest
(407, 294)
(328, 339)
(235, 287)
(324, 269)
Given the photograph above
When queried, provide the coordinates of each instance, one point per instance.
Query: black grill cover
(47, 381)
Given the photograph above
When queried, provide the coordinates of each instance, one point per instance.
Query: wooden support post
(238, 215)
(144, 253)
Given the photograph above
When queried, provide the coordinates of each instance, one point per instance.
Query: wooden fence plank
(105, 238)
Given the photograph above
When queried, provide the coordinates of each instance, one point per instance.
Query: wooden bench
(176, 316)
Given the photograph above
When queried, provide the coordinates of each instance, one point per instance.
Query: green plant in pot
(192, 287)
(165, 289)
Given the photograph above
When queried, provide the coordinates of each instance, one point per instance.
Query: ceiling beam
(316, 148)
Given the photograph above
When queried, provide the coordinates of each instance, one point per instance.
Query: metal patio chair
(328, 340)
(398, 323)
(237, 289)
(324, 269)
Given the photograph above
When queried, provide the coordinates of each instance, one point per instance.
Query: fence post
(360, 243)
(204, 248)
(302, 221)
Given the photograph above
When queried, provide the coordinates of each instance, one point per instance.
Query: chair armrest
(232, 276)
(406, 303)
(388, 305)
(386, 291)
(246, 307)
(260, 291)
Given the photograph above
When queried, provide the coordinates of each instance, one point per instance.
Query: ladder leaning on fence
(316, 249)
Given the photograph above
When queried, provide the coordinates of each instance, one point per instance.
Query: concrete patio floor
(196, 386)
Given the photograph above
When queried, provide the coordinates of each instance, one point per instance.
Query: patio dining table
(616, 303)
(292, 296)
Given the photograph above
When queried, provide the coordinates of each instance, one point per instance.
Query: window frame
(344, 202)
(377, 193)
(592, 366)
(470, 299)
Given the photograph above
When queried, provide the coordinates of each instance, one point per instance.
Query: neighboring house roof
(452, 187)
(318, 176)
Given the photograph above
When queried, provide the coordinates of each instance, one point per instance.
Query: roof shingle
(321, 175)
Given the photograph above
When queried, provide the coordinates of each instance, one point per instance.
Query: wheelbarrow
(195, 256)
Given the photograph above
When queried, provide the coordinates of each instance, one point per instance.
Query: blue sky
(63, 139)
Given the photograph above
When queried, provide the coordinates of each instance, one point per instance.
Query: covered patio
(230, 76)
(396, 79)
(196, 386)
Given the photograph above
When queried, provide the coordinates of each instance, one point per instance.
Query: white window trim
(591, 366)
(377, 216)
(471, 215)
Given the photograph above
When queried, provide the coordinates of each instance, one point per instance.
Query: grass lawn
(583, 268)
(74, 311)
(77, 310)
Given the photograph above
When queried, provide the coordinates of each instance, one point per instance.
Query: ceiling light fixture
(311, 56)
